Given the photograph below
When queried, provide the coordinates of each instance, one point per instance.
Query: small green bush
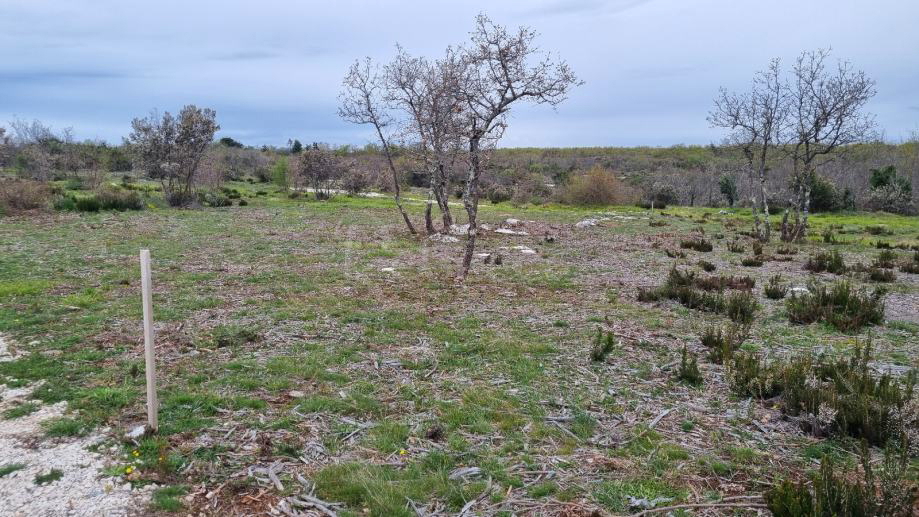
(602, 347)
(723, 342)
(829, 262)
(741, 307)
(844, 492)
(886, 259)
(881, 275)
(707, 266)
(841, 306)
(775, 288)
(751, 262)
(697, 244)
(689, 369)
(736, 247)
(119, 200)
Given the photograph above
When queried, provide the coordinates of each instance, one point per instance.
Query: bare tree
(4, 147)
(362, 103)
(170, 149)
(427, 92)
(825, 116)
(756, 120)
(500, 68)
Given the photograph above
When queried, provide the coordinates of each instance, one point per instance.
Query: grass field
(283, 345)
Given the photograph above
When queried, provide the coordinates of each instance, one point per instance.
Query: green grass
(8, 468)
(20, 410)
(168, 499)
(49, 477)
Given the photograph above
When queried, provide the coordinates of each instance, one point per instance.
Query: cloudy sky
(272, 69)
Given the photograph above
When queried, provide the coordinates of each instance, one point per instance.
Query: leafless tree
(427, 92)
(170, 149)
(362, 103)
(500, 68)
(4, 147)
(319, 168)
(755, 120)
(825, 116)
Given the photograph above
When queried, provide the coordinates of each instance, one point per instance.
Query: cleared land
(291, 361)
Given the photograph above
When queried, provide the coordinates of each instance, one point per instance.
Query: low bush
(751, 261)
(775, 288)
(722, 342)
(597, 187)
(697, 244)
(829, 262)
(849, 492)
(741, 307)
(787, 250)
(602, 347)
(119, 200)
(689, 369)
(911, 266)
(707, 266)
(499, 194)
(214, 199)
(834, 397)
(675, 253)
(720, 283)
(841, 306)
(736, 247)
(23, 195)
(878, 230)
(876, 274)
(886, 259)
(87, 204)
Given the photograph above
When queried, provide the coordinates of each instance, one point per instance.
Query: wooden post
(147, 288)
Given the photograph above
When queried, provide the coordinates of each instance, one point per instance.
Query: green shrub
(829, 262)
(689, 369)
(214, 199)
(886, 259)
(736, 247)
(751, 262)
(602, 347)
(707, 266)
(741, 307)
(834, 397)
(723, 342)
(787, 250)
(881, 275)
(499, 194)
(117, 199)
(841, 306)
(697, 244)
(87, 204)
(775, 288)
(845, 492)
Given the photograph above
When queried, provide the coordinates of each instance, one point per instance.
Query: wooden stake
(147, 288)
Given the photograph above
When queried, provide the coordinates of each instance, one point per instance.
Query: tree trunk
(757, 229)
(764, 203)
(428, 225)
(471, 203)
(397, 191)
(443, 198)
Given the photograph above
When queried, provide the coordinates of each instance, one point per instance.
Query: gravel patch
(82, 489)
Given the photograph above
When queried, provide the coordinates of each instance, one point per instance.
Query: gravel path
(82, 490)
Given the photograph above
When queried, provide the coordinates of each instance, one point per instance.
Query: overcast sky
(272, 69)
